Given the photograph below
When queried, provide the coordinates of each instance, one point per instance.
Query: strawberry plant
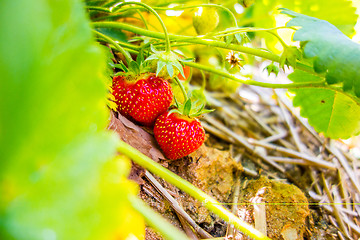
(291, 56)
(53, 99)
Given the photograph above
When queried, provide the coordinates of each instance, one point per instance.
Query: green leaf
(204, 111)
(140, 57)
(330, 111)
(302, 76)
(187, 107)
(237, 38)
(97, 2)
(186, 59)
(179, 67)
(242, 38)
(121, 66)
(154, 49)
(134, 67)
(160, 65)
(229, 39)
(340, 13)
(152, 57)
(197, 94)
(115, 34)
(333, 52)
(170, 69)
(109, 60)
(58, 175)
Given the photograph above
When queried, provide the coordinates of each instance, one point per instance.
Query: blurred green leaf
(58, 175)
(340, 13)
(115, 34)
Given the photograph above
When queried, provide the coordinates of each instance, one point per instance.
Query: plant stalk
(156, 221)
(117, 46)
(187, 187)
(252, 82)
(166, 34)
(182, 88)
(100, 9)
(197, 40)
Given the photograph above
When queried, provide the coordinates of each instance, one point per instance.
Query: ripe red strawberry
(186, 70)
(178, 135)
(142, 99)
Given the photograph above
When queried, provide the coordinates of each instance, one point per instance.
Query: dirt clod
(286, 207)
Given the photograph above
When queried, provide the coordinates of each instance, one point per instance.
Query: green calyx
(193, 106)
(272, 68)
(166, 64)
(237, 38)
(190, 109)
(135, 69)
(290, 56)
(133, 72)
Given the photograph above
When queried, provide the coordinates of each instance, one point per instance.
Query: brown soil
(286, 207)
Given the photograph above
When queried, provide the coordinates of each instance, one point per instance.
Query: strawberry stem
(256, 83)
(100, 9)
(278, 38)
(203, 84)
(246, 30)
(142, 18)
(182, 88)
(118, 14)
(247, 81)
(117, 46)
(207, 42)
(167, 40)
(187, 187)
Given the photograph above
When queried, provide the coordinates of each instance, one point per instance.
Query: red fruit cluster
(178, 135)
(148, 99)
(143, 99)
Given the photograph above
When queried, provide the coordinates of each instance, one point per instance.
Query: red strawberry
(186, 70)
(142, 99)
(178, 135)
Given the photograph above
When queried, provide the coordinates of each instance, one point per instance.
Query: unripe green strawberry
(143, 98)
(205, 20)
(178, 135)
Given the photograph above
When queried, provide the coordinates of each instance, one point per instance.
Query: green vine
(166, 34)
(182, 88)
(196, 40)
(255, 83)
(116, 45)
